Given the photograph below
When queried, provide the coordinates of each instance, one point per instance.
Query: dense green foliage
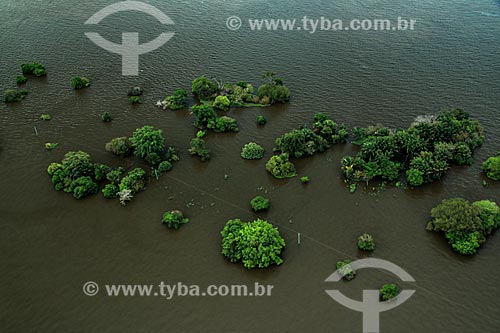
(466, 225)
(75, 174)
(135, 181)
(14, 95)
(491, 167)
(207, 118)
(120, 146)
(199, 149)
(259, 203)
(304, 141)
(388, 291)
(423, 152)
(256, 244)
(345, 269)
(148, 141)
(177, 100)
(261, 120)
(204, 88)
(106, 117)
(45, 117)
(305, 179)
(273, 90)
(221, 103)
(281, 167)
(223, 96)
(252, 151)
(110, 191)
(366, 242)
(21, 79)
(80, 82)
(33, 68)
(174, 219)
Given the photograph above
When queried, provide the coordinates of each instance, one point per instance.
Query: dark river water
(51, 244)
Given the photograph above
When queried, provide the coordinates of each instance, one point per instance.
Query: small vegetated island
(464, 224)
(255, 244)
(79, 175)
(423, 152)
(491, 167)
(305, 142)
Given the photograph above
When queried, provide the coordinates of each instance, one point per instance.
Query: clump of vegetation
(466, 225)
(261, 120)
(199, 149)
(207, 118)
(45, 116)
(106, 117)
(273, 90)
(204, 88)
(80, 83)
(120, 146)
(135, 100)
(281, 167)
(14, 95)
(388, 291)
(111, 190)
(305, 179)
(223, 96)
(33, 68)
(21, 79)
(259, 203)
(491, 167)
(174, 219)
(75, 174)
(304, 141)
(345, 269)
(148, 143)
(51, 145)
(423, 153)
(135, 91)
(366, 242)
(134, 181)
(221, 103)
(255, 244)
(252, 151)
(175, 101)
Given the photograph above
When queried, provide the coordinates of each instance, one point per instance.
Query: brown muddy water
(51, 244)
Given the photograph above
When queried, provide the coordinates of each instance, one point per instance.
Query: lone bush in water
(174, 219)
(80, 82)
(366, 242)
(259, 203)
(466, 225)
(252, 151)
(345, 269)
(388, 291)
(281, 167)
(491, 167)
(255, 244)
